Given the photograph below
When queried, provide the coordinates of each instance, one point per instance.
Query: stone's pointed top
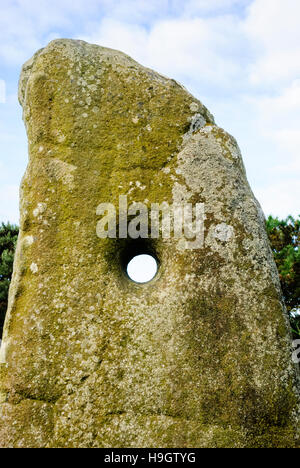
(73, 49)
(77, 51)
(73, 74)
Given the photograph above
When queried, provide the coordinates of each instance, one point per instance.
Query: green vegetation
(284, 236)
(8, 239)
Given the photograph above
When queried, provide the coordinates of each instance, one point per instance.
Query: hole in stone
(139, 259)
(142, 268)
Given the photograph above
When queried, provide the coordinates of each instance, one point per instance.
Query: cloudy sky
(241, 58)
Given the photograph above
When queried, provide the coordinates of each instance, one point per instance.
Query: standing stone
(198, 357)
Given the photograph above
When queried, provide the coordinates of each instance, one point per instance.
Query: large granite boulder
(198, 357)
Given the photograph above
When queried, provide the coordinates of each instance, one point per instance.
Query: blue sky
(241, 58)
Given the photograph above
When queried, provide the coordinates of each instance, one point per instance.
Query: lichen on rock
(200, 356)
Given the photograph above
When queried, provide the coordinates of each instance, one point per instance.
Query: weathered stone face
(198, 357)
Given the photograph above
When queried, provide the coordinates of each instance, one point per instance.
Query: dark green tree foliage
(8, 239)
(284, 236)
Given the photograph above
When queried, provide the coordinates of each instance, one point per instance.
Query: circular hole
(142, 268)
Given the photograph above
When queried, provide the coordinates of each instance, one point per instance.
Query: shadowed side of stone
(198, 357)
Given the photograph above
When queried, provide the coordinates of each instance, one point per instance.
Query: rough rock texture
(200, 356)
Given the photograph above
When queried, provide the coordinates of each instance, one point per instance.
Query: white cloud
(192, 7)
(132, 39)
(272, 26)
(280, 199)
(279, 120)
(136, 11)
(205, 49)
(24, 24)
(196, 47)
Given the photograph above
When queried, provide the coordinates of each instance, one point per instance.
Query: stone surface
(200, 356)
